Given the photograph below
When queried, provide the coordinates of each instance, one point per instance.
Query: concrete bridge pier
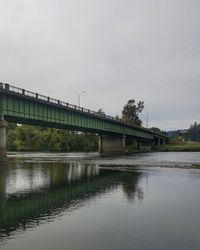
(158, 141)
(162, 141)
(3, 172)
(3, 152)
(112, 145)
(144, 145)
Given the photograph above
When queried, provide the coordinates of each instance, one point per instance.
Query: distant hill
(174, 133)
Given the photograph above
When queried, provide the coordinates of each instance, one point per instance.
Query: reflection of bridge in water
(30, 193)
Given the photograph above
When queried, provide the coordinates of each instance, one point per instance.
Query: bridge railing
(30, 94)
(10, 88)
(13, 89)
(42, 97)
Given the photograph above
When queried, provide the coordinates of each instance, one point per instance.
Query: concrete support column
(100, 144)
(158, 141)
(144, 146)
(3, 153)
(124, 141)
(3, 172)
(112, 145)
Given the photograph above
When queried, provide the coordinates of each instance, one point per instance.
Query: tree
(131, 110)
(156, 130)
(32, 138)
(100, 112)
(193, 133)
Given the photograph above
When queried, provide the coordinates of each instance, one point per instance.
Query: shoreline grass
(183, 147)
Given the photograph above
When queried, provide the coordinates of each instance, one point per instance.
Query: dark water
(84, 202)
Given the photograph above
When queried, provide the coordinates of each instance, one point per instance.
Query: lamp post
(79, 98)
(147, 120)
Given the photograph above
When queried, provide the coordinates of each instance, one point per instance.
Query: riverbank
(183, 160)
(182, 147)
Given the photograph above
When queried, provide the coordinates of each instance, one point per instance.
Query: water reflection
(34, 192)
(131, 187)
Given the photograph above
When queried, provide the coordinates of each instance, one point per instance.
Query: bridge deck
(26, 107)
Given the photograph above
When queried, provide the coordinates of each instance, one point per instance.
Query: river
(82, 201)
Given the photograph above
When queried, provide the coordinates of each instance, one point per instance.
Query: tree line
(32, 138)
(193, 133)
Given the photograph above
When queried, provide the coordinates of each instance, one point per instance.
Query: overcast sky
(114, 50)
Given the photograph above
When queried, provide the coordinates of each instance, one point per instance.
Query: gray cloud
(113, 49)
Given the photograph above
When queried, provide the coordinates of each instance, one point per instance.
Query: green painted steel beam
(23, 109)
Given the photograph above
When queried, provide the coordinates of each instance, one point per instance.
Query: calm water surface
(80, 201)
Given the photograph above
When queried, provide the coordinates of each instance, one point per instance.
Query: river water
(82, 201)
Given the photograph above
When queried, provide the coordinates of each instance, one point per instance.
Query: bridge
(25, 107)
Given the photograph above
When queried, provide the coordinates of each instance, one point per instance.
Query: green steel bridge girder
(25, 110)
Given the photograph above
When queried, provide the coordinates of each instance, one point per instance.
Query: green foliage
(32, 138)
(177, 140)
(193, 133)
(131, 110)
(156, 130)
(181, 147)
(100, 112)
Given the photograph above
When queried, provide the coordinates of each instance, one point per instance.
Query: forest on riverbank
(41, 139)
(32, 138)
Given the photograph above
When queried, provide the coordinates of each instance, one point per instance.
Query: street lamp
(147, 119)
(79, 98)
